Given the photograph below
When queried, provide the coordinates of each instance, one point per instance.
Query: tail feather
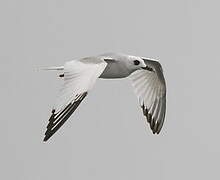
(58, 68)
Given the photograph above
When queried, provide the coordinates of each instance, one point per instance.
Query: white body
(80, 76)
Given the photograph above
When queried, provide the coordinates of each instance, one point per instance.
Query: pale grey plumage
(80, 76)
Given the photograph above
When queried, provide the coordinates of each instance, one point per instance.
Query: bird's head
(136, 63)
(131, 63)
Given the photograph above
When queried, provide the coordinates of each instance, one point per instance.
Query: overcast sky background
(107, 137)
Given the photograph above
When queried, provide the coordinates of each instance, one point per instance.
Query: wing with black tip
(150, 88)
(79, 78)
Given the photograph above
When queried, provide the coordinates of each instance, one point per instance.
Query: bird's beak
(144, 67)
(148, 68)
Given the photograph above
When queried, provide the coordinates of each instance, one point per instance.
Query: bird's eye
(136, 62)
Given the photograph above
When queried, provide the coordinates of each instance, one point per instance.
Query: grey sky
(107, 137)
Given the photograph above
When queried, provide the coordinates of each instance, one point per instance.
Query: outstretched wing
(79, 78)
(150, 88)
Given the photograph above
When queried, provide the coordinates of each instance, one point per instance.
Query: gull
(80, 75)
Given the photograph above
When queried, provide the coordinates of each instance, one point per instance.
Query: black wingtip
(57, 120)
(45, 139)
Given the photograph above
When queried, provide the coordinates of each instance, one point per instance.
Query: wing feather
(150, 88)
(79, 78)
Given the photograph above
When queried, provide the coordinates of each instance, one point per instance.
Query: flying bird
(80, 75)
